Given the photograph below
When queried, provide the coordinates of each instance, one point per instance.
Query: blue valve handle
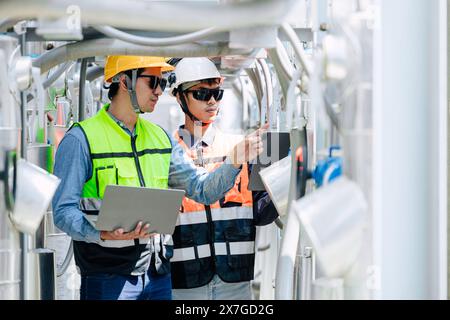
(332, 148)
(328, 169)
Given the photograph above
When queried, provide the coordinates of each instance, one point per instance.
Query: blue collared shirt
(73, 166)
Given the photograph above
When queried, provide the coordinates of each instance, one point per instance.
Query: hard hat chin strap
(185, 108)
(131, 87)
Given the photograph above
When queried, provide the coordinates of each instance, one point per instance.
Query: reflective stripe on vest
(203, 251)
(232, 212)
(122, 243)
(219, 214)
(118, 159)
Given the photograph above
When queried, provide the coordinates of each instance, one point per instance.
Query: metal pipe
(297, 276)
(291, 101)
(82, 89)
(269, 86)
(147, 41)
(284, 280)
(295, 41)
(284, 70)
(307, 274)
(256, 85)
(259, 81)
(5, 24)
(245, 104)
(155, 15)
(283, 78)
(409, 203)
(94, 73)
(282, 56)
(23, 109)
(99, 47)
(238, 87)
(24, 238)
(55, 75)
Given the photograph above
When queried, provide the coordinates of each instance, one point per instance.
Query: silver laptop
(123, 207)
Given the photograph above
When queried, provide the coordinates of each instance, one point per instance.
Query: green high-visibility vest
(119, 159)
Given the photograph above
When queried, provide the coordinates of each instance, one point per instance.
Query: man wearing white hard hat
(214, 245)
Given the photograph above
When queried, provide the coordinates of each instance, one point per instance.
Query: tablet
(276, 147)
(123, 207)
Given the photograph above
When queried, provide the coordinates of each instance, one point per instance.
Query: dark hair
(114, 87)
(211, 81)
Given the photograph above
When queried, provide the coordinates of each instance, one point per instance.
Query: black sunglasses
(204, 94)
(155, 81)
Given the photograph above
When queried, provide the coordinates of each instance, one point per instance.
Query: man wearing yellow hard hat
(116, 146)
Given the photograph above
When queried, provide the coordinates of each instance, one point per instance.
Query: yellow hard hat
(116, 64)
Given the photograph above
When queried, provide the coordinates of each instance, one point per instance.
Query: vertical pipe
(306, 278)
(23, 111)
(269, 89)
(403, 151)
(298, 269)
(284, 281)
(82, 89)
(438, 145)
(24, 285)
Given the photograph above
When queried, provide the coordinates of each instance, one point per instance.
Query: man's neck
(196, 129)
(123, 111)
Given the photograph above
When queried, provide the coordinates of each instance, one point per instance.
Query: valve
(328, 169)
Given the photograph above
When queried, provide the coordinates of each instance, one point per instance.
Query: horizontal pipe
(102, 47)
(152, 41)
(153, 15)
(94, 73)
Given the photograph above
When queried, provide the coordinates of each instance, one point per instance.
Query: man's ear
(123, 83)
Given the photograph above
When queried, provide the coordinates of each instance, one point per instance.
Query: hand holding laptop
(128, 213)
(119, 234)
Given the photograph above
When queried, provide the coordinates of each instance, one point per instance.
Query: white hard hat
(194, 69)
